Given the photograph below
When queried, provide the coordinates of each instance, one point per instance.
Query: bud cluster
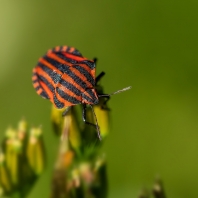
(22, 160)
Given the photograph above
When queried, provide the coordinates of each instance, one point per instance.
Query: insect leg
(66, 111)
(84, 116)
(99, 77)
(95, 60)
(86, 122)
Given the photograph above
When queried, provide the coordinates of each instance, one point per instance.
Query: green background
(151, 45)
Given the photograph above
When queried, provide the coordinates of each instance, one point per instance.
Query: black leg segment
(91, 124)
(99, 77)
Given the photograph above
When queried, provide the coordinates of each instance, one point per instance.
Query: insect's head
(90, 97)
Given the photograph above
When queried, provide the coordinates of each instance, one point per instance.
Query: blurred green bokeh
(151, 45)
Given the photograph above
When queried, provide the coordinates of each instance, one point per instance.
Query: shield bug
(66, 78)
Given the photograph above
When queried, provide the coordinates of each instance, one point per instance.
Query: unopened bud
(144, 194)
(15, 161)
(86, 173)
(5, 180)
(73, 130)
(1, 191)
(35, 151)
(103, 120)
(76, 178)
(10, 133)
(22, 129)
(57, 119)
(158, 190)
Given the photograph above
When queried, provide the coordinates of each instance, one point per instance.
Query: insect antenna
(116, 92)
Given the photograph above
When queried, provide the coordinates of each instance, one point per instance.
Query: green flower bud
(35, 151)
(57, 119)
(144, 193)
(16, 162)
(86, 173)
(76, 178)
(73, 130)
(13, 150)
(2, 192)
(103, 120)
(10, 133)
(158, 190)
(22, 129)
(5, 180)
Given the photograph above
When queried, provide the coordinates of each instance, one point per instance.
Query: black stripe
(89, 63)
(90, 92)
(87, 98)
(67, 97)
(54, 76)
(34, 74)
(44, 95)
(76, 53)
(61, 48)
(74, 89)
(58, 104)
(68, 48)
(55, 63)
(51, 88)
(71, 87)
(37, 88)
(44, 80)
(75, 77)
(63, 57)
(85, 73)
(45, 68)
(65, 69)
(35, 81)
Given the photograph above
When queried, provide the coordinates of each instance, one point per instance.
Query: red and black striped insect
(67, 78)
